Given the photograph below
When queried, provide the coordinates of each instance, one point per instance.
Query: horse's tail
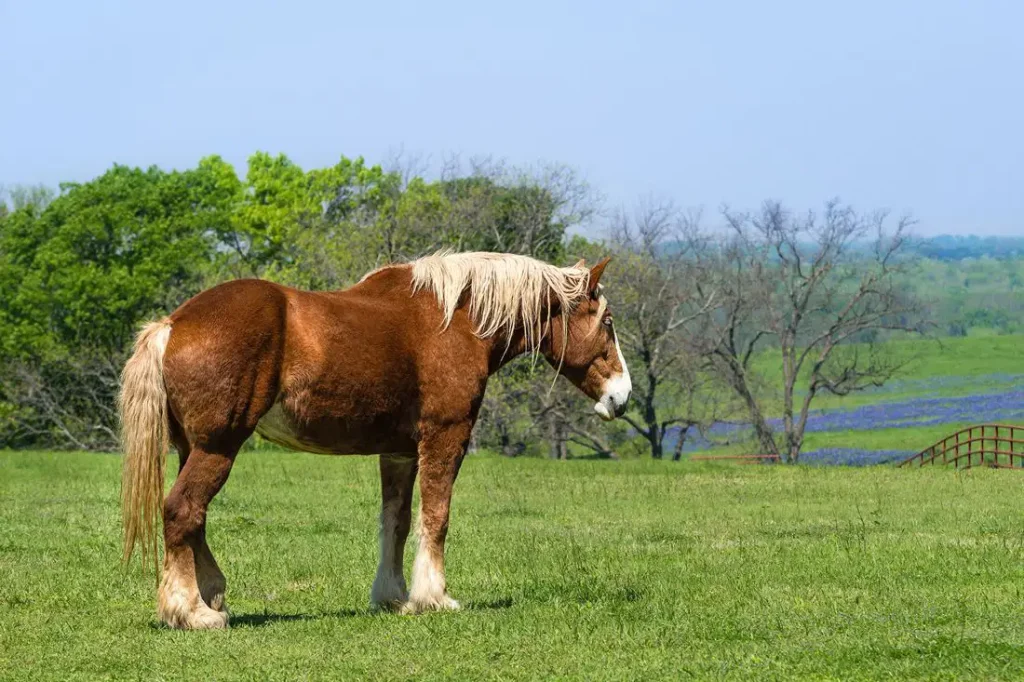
(144, 439)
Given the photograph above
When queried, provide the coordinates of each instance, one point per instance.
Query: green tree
(78, 276)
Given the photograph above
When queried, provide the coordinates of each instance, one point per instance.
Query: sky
(910, 106)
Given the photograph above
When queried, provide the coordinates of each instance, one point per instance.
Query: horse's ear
(596, 272)
(581, 263)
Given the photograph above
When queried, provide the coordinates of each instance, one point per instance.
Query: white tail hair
(144, 438)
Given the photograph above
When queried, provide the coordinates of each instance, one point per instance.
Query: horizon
(906, 108)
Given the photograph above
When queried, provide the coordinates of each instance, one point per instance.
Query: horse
(395, 365)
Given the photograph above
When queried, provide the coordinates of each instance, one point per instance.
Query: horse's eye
(607, 321)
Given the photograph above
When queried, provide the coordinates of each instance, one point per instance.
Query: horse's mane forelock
(505, 290)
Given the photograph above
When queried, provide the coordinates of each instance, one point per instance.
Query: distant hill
(958, 247)
(971, 285)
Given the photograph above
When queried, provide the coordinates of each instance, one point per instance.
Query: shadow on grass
(257, 620)
(501, 603)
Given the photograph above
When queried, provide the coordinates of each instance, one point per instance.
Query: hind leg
(191, 594)
(397, 478)
(209, 577)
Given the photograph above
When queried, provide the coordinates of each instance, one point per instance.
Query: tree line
(698, 304)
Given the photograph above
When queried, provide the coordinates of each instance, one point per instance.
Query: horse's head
(592, 359)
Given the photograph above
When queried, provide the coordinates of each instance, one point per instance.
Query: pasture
(946, 385)
(579, 569)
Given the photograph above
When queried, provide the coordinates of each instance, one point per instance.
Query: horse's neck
(500, 349)
(504, 350)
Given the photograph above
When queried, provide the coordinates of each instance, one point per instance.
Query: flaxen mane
(505, 290)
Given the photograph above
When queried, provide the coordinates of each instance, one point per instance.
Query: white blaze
(616, 389)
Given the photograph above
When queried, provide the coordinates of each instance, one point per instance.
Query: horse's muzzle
(615, 399)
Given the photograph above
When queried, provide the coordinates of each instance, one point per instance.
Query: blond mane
(505, 290)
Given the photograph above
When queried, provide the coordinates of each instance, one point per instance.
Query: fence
(992, 445)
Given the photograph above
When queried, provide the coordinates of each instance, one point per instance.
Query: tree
(80, 270)
(813, 292)
(527, 410)
(23, 196)
(495, 208)
(76, 278)
(655, 297)
(564, 417)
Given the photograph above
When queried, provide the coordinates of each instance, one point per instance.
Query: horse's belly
(278, 428)
(333, 436)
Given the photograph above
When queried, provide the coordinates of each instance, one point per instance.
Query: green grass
(914, 438)
(583, 570)
(966, 365)
(948, 356)
(976, 356)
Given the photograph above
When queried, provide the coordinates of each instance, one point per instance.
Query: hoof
(388, 594)
(202, 618)
(208, 619)
(388, 606)
(442, 603)
(180, 605)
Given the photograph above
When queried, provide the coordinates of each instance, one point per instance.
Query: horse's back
(336, 371)
(349, 377)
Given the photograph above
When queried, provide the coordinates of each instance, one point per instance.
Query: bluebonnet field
(986, 407)
(1003, 405)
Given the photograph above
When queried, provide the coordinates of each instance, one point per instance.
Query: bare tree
(655, 298)
(21, 196)
(527, 405)
(819, 289)
(67, 403)
(496, 207)
(565, 418)
(504, 424)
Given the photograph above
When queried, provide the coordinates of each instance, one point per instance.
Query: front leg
(397, 478)
(440, 456)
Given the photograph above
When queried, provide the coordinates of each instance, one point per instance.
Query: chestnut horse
(395, 365)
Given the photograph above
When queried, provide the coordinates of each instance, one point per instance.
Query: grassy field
(956, 370)
(586, 570)
(944, 366)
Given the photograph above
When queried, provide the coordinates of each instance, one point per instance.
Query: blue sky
(906, 105)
